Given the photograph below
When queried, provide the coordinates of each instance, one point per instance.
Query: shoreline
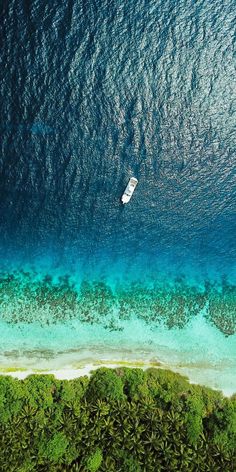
(198, 351)
(70, 365)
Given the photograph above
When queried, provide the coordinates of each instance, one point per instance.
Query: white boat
(129, 190)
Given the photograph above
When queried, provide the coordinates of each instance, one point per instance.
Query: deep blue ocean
(94, 92)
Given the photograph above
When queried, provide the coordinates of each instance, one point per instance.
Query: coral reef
(27, 297)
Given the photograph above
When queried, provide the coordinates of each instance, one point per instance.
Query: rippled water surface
(93, 93)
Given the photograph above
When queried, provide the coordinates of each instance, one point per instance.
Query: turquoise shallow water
(196, 347)
(172, 300)
(184, 323)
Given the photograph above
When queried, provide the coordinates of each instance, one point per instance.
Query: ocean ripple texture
(94, 92)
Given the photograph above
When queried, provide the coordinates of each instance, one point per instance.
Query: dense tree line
(123, 420)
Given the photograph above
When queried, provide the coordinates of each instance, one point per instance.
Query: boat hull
(129, 190)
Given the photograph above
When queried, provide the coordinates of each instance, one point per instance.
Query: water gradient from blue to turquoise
(93, 93)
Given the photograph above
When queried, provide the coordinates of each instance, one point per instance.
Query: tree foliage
(94, 461)
(123, 420)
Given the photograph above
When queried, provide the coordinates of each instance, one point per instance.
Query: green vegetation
(122, 420)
